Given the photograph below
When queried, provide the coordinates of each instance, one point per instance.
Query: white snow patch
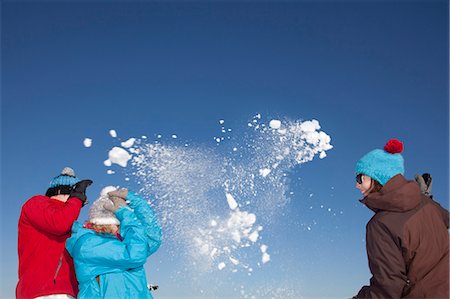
(265, 258)
(264, 172)
(234, 261)
(221, 266)
(254, 236)
(231, 201)
(113, 133)
(275, 124)
(107, 163)
(87, 142)
(119, 156)
(129, 143)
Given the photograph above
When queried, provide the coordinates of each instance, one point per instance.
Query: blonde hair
(103, 228)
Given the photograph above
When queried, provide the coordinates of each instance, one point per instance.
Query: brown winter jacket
(407, 243)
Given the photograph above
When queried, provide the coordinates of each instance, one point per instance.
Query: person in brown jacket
(407, 239)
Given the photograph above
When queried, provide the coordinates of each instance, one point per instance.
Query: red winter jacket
(45, 266)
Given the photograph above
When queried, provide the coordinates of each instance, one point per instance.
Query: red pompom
(394, 146)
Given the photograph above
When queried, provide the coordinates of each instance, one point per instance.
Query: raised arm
(108, 253)
(145, 215)
(54, 219)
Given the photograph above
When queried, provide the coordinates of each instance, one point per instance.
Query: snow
(187, 184)
(275, 124)
(231, 201)
(264, 172)
(109, 171)
(119, 156)
(234, 261)
(87, 142)
(113, 133)
(265, 258)
(129, 143)
(253, 236)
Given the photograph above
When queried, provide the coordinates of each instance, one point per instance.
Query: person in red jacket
(45, 267)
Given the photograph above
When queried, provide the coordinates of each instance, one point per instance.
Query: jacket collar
(397, 195)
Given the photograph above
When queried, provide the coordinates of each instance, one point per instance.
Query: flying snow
(213, 202)
(87, 142)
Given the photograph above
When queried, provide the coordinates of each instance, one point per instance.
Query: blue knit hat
(63, 183)
(382, 165)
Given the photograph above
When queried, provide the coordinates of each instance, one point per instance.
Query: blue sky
(368, 71)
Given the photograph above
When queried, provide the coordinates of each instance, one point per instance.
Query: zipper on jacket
(58, 268)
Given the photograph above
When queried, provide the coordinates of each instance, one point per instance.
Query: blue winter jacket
(119, 265)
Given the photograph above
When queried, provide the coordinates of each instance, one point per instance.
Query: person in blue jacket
(110, 250)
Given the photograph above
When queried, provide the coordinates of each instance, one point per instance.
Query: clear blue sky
(368, 71)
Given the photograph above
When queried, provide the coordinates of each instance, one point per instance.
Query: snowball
(174, 136)
(275, 124)
(264, 172)
(265, 258)
(253, 236)
(119, 156)
(113, 133)
(234, 261)
(221, 266)
(231, 201)
(109, 171)
(221, 121)
(213, 252)
(129, 143)
(217, 140)
(263, 248)
(87, 142)
(310, 126)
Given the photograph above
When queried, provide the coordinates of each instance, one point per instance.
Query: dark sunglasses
(359, 178)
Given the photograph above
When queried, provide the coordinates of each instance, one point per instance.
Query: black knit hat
(63, 183)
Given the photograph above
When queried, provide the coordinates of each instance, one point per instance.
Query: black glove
(425, 183)
(79, 190)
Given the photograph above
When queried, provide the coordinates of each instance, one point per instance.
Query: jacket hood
(397, 195)
(77, 232)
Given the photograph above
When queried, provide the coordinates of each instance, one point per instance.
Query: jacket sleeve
(54, 219)
(443, 212)
(147, 218)
(386, 264)
(109, 253)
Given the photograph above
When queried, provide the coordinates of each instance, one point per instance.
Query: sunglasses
(359, 178)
